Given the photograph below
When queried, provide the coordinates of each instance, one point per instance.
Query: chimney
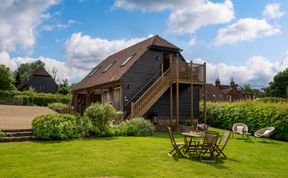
(232, 83)
(217, 83)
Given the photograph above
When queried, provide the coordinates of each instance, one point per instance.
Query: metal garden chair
(264, 133)
(241, 129)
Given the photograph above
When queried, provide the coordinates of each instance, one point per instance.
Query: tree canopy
(24, 70)
(64, 88)
(6, 78)
(279, 86)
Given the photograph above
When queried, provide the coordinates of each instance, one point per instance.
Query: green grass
(138, 157)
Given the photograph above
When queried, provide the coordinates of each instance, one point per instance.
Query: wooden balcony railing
(188, 72)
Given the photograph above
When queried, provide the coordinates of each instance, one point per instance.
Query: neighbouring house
(148, 79)
(230, 93)
(40, 80)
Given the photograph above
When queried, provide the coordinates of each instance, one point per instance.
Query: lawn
(138, 157)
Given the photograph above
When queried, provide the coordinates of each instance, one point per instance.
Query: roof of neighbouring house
(40, 71)
(112, 69)
(214, 94)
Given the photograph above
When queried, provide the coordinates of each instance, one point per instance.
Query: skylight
(108, 67)
(127, 60)
(93, 71)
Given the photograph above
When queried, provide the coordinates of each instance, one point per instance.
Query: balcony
(189, 73)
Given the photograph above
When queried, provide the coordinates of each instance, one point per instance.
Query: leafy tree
(64, 87)
(6, 78)
(248, 87)
(279, 86)
(256, 92)
(24, 70)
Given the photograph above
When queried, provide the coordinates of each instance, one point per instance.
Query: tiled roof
(116, 71)
(214, 94)
(39, 71)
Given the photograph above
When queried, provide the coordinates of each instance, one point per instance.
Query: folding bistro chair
(222, 143)
(208, 146)
(177, 146)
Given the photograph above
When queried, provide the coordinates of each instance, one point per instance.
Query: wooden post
(132, 110)
(171, 104)
(192, 97)
(177, 92)
(162, 68)
(205, 112)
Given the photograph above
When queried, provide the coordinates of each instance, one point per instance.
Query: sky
(243, 40)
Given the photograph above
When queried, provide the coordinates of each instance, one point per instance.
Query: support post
(205, 112)
(177, 92)
(171, 104)
(132, 110)
(191, 96)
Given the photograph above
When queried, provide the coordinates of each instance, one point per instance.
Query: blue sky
(244, 40)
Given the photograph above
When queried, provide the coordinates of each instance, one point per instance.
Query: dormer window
(108, 67)
(127, 60)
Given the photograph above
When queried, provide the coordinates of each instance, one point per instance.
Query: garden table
(192, 144)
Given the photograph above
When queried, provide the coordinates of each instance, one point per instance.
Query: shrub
(101, 116)
(255, 114)
(55, 127)
(136, 127)
(2, 134)
(84, 126)
(59, 107)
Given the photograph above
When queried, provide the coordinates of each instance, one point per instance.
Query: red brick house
(230, 93)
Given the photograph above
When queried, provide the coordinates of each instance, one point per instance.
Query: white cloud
(193, 41)
(273, 11)
(19, 20)
(58, 26)
(189, 20)
(85, 52)
(257, 71)
(186, 16)
(152, 5)
(82, 54)
(63, 70)
(245, 30)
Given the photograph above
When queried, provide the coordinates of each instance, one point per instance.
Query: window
(94, 71)
(127, 60)
(42, 87)
(108, 67)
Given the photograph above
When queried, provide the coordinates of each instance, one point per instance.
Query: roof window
(127, 60)
(108, 67)
(94, 71)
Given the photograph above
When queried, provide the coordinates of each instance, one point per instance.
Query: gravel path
(20, 117)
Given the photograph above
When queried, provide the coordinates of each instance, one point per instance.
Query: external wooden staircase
(151, 95)
(178, 72)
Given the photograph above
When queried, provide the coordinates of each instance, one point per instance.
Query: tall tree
(279, 86)
(6, 78)
(24, 70)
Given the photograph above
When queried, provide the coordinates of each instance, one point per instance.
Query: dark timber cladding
(148, 79)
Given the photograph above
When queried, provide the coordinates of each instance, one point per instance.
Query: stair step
(17, 139)
(17, 130)
(18, 134)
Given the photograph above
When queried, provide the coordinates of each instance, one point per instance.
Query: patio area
(20, 117)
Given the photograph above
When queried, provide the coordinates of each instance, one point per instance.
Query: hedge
(255, 114)
(32, 98)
